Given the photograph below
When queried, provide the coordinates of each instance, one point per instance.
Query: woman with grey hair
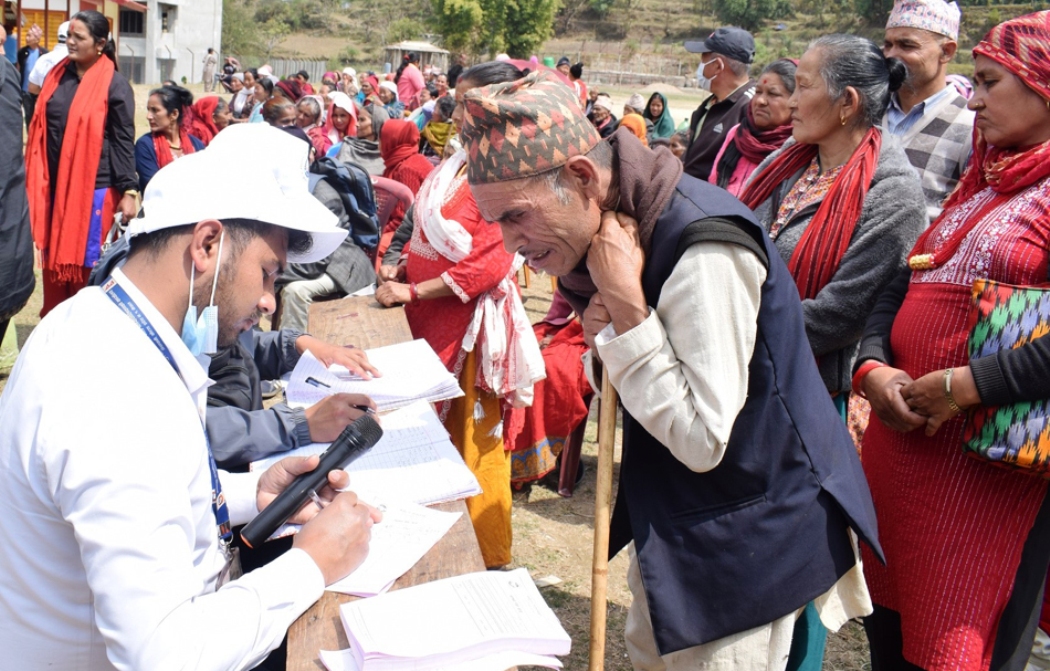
(843, 206)
(364, 149)
(309, 117)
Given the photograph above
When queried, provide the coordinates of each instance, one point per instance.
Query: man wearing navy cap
(725, 58)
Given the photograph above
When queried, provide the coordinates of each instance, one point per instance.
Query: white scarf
(510, 361)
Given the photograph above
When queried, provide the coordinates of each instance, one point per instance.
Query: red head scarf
(291, 88)
(1022, 46)
(398, 139)
(204, 128)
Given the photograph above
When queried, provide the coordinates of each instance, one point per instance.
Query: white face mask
(201, 335)
(702, 81)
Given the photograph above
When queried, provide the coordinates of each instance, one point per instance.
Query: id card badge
(232, 569)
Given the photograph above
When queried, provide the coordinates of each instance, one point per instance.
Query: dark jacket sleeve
(120, 129)
(876, 341)
(401, 237)
(1014, 375)
(239, 437)
(274, 352)
(145, 160)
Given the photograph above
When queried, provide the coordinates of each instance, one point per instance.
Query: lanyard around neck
(127, 305)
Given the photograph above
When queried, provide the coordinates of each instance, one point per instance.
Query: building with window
(155, 40)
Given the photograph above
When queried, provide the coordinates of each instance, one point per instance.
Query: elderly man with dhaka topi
(729, 440)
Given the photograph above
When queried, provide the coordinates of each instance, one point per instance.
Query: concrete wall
(174, 48)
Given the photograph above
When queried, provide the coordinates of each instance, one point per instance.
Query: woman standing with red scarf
(965, 541)
(843, 205)
(80, 164)
(169, 137)
(461, 296)
(765, 128)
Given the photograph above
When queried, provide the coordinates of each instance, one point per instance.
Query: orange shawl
(61, 234)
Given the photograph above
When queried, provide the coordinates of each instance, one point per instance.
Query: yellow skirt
(487, 460)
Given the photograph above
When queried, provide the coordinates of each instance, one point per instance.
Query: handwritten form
(446, 623)
(411, 372)
(407, 532)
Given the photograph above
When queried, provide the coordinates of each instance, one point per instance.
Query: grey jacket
(893, 216)
(239, 430)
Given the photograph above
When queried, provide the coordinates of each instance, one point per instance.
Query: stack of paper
(414, 461)
(411, 372)
(406, 533)
(469, 621)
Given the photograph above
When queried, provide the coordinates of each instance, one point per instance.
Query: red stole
(61, 234)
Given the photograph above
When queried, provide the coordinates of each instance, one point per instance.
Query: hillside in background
(631, 36)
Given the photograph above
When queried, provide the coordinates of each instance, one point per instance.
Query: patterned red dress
(475, 421)
(442, 322)
(952, 527)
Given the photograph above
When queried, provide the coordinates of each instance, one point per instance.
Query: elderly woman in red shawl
(965, 540)
(210, 115)
(399, 147)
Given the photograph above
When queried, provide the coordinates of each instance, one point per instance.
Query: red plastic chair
(389, 193)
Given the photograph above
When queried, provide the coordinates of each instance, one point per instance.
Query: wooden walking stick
(602, 513)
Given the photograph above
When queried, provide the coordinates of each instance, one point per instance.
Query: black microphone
(355, 440)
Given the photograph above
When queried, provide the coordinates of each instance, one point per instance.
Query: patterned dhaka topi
(1022, 46)
(936, 16)
(523, 128)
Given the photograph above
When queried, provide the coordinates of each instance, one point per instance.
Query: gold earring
(842, 120)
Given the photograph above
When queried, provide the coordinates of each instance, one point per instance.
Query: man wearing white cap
(927, 114)
(115, 518)
(48, 61)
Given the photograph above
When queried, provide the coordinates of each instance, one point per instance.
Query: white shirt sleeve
(683, 372)
(138, 497)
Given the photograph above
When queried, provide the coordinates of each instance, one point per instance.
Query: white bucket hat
(249, 171)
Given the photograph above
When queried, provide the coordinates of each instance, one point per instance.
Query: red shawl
(204, 127)
(824, 242)
(163, 149)
(63, 246)
(755, 145)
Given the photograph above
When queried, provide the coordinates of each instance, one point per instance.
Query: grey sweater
(893, 216)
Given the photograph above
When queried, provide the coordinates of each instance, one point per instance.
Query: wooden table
(362, 322)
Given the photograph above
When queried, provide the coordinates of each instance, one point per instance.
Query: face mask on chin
(702, 81)
(201, 335)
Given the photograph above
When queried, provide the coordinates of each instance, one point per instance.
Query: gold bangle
(132, 192)
(948, 390)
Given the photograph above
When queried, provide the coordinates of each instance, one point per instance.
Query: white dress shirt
(45, 63)
(110, 555)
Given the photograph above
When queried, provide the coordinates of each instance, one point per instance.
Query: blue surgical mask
(702, 81)
(201, 335)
